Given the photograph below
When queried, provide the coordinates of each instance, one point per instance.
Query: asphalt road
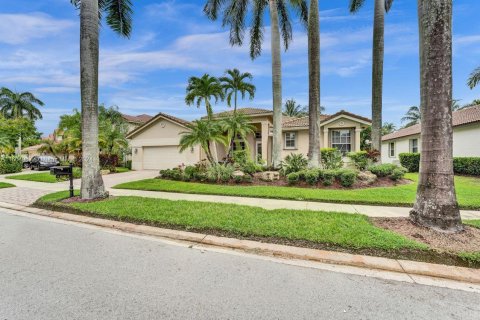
(50, 270)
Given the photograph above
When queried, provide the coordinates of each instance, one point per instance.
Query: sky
(172, 40)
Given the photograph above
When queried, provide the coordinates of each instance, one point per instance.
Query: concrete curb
(331, 257)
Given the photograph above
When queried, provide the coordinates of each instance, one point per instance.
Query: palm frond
(257, 29)
(355, 5)
(474, 78)
(119, 16)
(285, 25)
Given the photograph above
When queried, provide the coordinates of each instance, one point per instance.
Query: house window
(290, 140)
(258, 135)
(414, 145)
(342, 140)
(391, 149)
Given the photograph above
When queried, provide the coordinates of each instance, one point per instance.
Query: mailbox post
(60, 171)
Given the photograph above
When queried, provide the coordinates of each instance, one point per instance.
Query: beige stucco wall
(466, 143)
(160, 133)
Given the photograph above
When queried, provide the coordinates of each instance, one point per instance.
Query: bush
(312, 176)
(247, 178)
(331, 158)
(190, 173)
(293, 178)
(467, 165)
(238, 179)
(359, 159)
(220, 173)
(293, 163)
(10, 164)
(174, 174)
(240, 157)
(383, 170)
(398, 173)
(128, 164)
(410, 161)
(346, 177)
(251, 167)
(328, 177)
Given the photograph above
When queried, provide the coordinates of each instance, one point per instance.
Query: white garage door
(166, 157)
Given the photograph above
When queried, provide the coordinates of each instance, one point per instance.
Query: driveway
(27, 192)
(56, 270)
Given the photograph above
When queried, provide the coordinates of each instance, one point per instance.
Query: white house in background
(155, 145)
(466, 137)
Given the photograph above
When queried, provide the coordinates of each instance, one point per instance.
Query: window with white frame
(290, 140)
(414, 145)
(391, 149)
(342, 140)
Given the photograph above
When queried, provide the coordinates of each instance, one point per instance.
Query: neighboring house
(34, 150)
(466, 137)
(155, 144)
(136, 121)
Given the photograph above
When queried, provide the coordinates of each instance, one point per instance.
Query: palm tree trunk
(436, 204)
(276, 86)
(92, 182)
(210, 118)
(377, 74)
(314, 85)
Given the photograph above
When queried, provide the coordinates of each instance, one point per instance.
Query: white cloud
(21, 28)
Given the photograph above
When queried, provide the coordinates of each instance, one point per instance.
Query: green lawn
(468, 191)
(474, 223)
(46, 176)
(341, 229)
(6, 185)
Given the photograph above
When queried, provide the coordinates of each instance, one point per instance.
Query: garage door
(166, 157)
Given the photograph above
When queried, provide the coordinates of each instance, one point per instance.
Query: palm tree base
(442, 218)
(93, 189)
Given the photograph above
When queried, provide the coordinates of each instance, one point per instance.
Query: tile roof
(142, 118)
(244, 111)
(460, 117)
(304, 121)
(153, 119)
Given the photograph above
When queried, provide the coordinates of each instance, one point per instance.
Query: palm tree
(202, 90)
(474, 78)
(294, 110)
(112, 138)
(412, 117)
(436, 203)
(234, 16)
(381, 6)
(388, 127)
(203, 132)
(19, 105)
(119, 18)
(50, 147)
(237, 126)
(234, 83)
(314, 158)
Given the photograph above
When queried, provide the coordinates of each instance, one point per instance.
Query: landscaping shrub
(240, 157)
(467, 165)
(128, 164)
(383, 170)
(174, 174)
(247, 178)
(347, 177)
(293, 163)
(220, 173)
(359, 159)
(293, 178)
(331, 158)
(238, 179)
(328, 177)
(398, 173)
(410, 161)
(251, 167)
(312, 176)
(190, 173)
(10, 164)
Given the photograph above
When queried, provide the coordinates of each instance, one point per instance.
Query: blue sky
(172, 40)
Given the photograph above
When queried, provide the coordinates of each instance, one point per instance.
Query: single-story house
(466, 137)
(155, 145)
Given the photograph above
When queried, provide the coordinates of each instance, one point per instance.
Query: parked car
(43, 162)
(26, 162)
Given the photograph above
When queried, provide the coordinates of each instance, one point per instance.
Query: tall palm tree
(112, 138)
(292, 109)
(203, 132)
(202, 90)
(234, 16)
(119, 18)
(388, 127)
(19, 105)
(412, 117)
(234, 83)
(381, 6)
(436, 203)
(314, 158)
(474, 78)
(237, 126)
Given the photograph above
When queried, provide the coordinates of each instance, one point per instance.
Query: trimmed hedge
(410, 161)
(461, 165)
(10, 164)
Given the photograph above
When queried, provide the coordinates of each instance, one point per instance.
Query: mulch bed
(467, 240)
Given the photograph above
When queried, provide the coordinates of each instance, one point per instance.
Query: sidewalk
(34, 190)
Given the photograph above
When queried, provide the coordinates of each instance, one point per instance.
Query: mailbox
(64, 171)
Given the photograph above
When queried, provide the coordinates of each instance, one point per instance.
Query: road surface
(52, 270)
